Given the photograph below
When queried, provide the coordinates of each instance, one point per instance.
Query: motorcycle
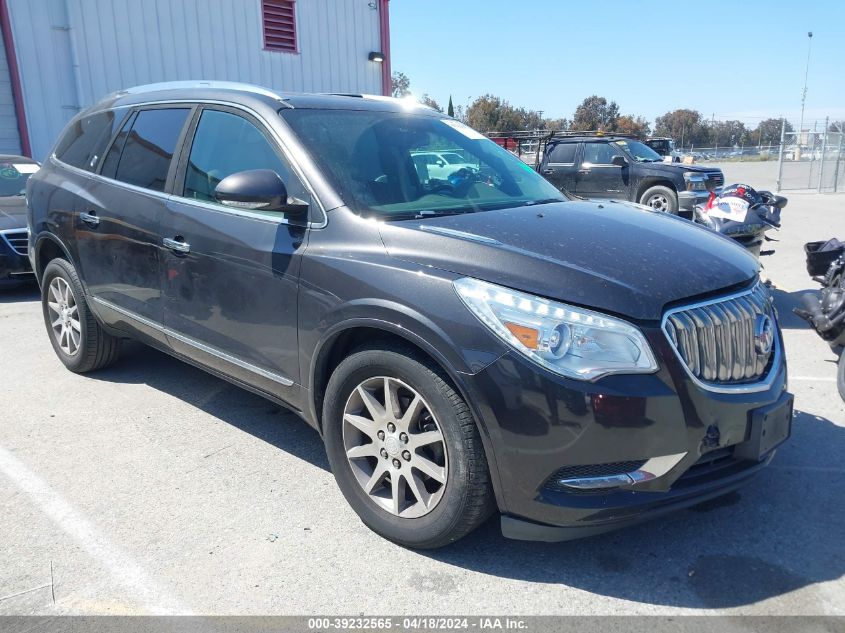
(743, 214)
(826, 314)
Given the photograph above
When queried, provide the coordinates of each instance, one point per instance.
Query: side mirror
(619, 161)
(258, 190)
(440, 163)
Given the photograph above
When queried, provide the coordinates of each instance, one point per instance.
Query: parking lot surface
(152, 487)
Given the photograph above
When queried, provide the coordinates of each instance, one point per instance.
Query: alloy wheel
(395, 447)
(64, 316)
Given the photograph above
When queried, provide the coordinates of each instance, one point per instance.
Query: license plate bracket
(771, 426)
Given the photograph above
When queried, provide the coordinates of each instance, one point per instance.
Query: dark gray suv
(465, 340)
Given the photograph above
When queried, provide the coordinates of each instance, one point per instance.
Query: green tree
(431, 103)
(768, 132)
(490, 113)
(727, 134)
(450, 109)
(595, 113)
(555, 125)
(683, 125)
(401, 85)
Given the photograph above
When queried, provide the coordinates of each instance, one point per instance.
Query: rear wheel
(78, 340)
(660, 198)
(404, 448)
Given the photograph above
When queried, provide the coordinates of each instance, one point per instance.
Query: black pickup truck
(620, 167)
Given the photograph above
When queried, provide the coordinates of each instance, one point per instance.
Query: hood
(677, 168)
(12, 213)
(610, 256)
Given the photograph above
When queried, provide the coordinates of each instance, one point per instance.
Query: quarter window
(86, 139)
(225, 144)
(563, 153)
(149, 147)
(599, 153)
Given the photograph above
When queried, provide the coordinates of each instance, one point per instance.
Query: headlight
(570, 341)
(695, 182)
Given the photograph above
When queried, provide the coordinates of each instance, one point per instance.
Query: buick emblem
(764, 334)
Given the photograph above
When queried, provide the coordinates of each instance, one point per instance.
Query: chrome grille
(716, 339)
(17, 240)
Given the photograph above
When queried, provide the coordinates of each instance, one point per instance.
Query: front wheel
(660, 198)
(404, 448)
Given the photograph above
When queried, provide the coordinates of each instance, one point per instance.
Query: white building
(59, 56)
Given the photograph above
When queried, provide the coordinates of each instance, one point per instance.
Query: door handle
(583, 171)
(177, 245)
(548, 172)
(90, 218)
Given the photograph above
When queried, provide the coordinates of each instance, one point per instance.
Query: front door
(597, 176)
(117, 222)
(230, 276)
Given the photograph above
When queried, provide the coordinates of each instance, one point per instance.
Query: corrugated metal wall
(72, 52)
(10, 140)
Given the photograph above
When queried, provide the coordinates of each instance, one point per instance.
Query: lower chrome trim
(652, 469)
(287, 382)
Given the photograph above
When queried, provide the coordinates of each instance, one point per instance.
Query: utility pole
(804, 93)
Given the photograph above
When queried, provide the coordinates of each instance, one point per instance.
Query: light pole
(804, 94)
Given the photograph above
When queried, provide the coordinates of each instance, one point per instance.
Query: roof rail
(198, 83)
(550, 134)
(596, 133)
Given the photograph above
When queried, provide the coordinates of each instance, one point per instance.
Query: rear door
(559, 165)
(597, 176)
(118, 219)
(230, 287)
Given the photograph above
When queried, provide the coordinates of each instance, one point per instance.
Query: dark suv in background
(464, 341)
(624, 168)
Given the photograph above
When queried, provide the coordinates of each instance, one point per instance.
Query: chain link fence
(812, 161)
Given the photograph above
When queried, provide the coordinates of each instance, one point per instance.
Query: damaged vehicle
(465, 346)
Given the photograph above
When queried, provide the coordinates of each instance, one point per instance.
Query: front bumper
(687, 200)
(15, 267)
(539, 424)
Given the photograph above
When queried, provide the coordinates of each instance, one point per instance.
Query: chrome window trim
(268, 128)
(763, 384)
(282, 380)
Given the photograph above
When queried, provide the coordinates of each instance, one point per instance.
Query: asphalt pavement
(152, 487)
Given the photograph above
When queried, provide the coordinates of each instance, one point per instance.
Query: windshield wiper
(532, 203)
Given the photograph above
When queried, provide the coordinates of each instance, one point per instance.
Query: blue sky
(743, 59)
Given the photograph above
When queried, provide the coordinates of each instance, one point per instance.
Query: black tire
(840, 375)
(96, 348)
(467, 498)
(665, 197)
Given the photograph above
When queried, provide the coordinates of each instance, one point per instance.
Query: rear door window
(87, 138)
(149, 146)
(563, 153)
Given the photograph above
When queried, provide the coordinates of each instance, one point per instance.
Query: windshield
(640, 152)
(13, 177)
(389, 165)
